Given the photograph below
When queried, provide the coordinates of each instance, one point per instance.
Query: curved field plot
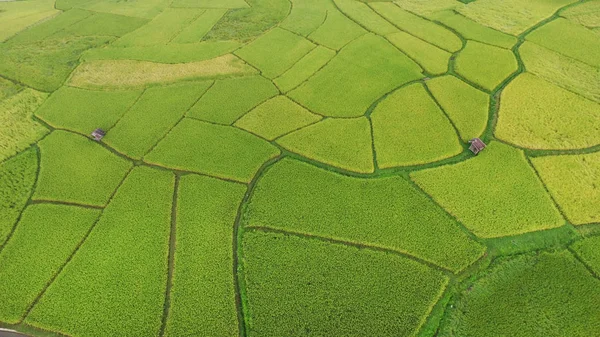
(539, 115)
(143, 9)
(365, 16)
(384, 212)
(371, 61)
(573, 182)
(304, 68)
(533, 296)
(336, 31)
(306, 16)
(427, 8)
(349, 290)
(220, 151)
(16, 16)
(410, 129)
(474, 31)
(343, 143)
(589, 251)
(495, 194)
(486, 65)
(433, 59)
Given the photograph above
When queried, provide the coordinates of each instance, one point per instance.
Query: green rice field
(288, 168)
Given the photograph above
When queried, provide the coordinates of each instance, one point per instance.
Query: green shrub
(228, 100)
(76, 169)
(298, 287)
(276, 117)
(474, 31)
(307, 15)
(200, 27)
(486, 65)
(220, 151)
(336, 31)
(50, 27)
(244, 24)
(171, 53)
(209, 4)
(19, 131)
(364, 16)
(102, 24)
(333, 91)
(203, 283)
(162, 29)
(304, 68)
(153, 115)
(430, 57)
(511, 16)
(17, 177)
(589, 251)
(466, 106)
(410, 129)
(494, 194)
(528, 296)
(275, 52)
(570, 39)
(340, 142)
(115, 284)
(44, 239)
(563, 71)
(539, 115)
(419, 27)
(573, 181)
(382, 212)
(84, 111)
(18, 15)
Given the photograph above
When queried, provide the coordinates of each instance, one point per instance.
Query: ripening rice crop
(198, 28)
(146, 9)
(203, 284)
(486, 65)
(307, 15)
(474, 31)
(537, 295)
(153, 115)
(340, 142)
(586, 13)
(50, 27)
(336, 31)
(76, 169)
(365, 16)
(17, 177)
(276, 117)
(383, 212)
(227, 100)
(18, 15)
(304, 68)
(298, 286)
(570, 39)
(589, 251)
(43, 241)
(466, 106)
(115, 284)
(332, 91)
(573, 181)
(19, 131)
(426, 8)
(220, 151)
(433, 59)
(419, 27)
(494, 194)
(561, 70)
(210, 3)
(8, 88)
(511, 16)
(102, 24)
(162, 29)
(84, 111)
(275, 52)
(410, 129)
(540, 115)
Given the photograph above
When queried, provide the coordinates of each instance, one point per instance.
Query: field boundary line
(64, 203)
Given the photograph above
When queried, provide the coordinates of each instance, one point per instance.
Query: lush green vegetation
(426, 8)
(75, 169)
(307, 15)
(433, 59)
(494, 194)
(304, 68)
(115, 284)
(540, 115)
(403, 120)
(34, 256)
(365, 16)
(203, 284)
(466, 106)
(276, 117)
(196, 30)
(384, 212)
(337, 31)
(340, 142)
(8, 88)
(17, 177)
(586, 13)
(16, 16)
(220, 151)
(349, 291)
(474, 31)
(554, 292)
(589, 251)
(102, 24)
(573, 182)
(147, 9)
(486, 65)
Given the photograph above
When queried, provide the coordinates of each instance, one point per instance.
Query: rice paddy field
(279, 168)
